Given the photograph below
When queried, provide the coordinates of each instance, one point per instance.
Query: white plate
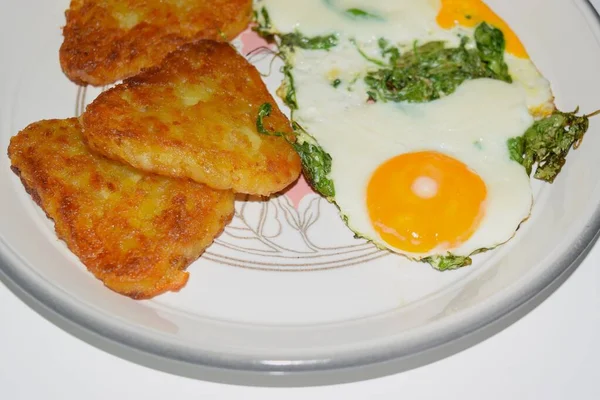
(287, 290)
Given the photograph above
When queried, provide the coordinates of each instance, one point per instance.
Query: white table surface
(551, 353)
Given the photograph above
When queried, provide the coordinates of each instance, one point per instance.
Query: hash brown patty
(195, 116)
(136, 232)
(106, 41)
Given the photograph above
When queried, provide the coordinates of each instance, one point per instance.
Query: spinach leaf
(297, 39)
(548, 141)
(387, 50)
(431, 70)
(287, 91)
(491, 45)
(265, 28)
(263, 23)
(264, 111)
(316, 163)
(354, 13)
(448, 262)
(516, 151)
(364, 55)
(357, 13)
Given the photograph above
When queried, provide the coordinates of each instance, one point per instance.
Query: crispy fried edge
(171, 285)
(83, 71)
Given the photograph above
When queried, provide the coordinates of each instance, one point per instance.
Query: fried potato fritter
(137, 232)
(195, 116)
(106, 41)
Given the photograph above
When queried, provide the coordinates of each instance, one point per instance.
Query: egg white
(472, 124)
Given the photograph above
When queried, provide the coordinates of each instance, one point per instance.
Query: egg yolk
(425, 200)
(469, 13)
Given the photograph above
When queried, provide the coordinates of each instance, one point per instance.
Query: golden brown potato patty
(106, 41)
(137, 232)
(195, 116)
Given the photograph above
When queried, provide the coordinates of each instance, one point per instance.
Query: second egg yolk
(421, 201)
(470, 13)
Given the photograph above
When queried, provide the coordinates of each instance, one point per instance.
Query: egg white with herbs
(424, 170)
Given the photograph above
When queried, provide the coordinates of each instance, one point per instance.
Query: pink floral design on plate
(298, 191)
(252, 41)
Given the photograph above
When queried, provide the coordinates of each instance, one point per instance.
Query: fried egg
(421, 179)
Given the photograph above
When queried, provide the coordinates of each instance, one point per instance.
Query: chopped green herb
(316, 163)
(336, 83)
(491, 45)
(388, 51)
(448, 262)
(431, 70)
(264, 111)
(297, 39)
(289, 90)
(364, 55)
(548, 141)
(265, 28)
(354, 13)
(357, 13)
(222, 35)
(263, 23)
(516, 150)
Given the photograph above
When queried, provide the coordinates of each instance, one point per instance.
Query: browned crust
(149, 123)
(136, 232)
(98, 49)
